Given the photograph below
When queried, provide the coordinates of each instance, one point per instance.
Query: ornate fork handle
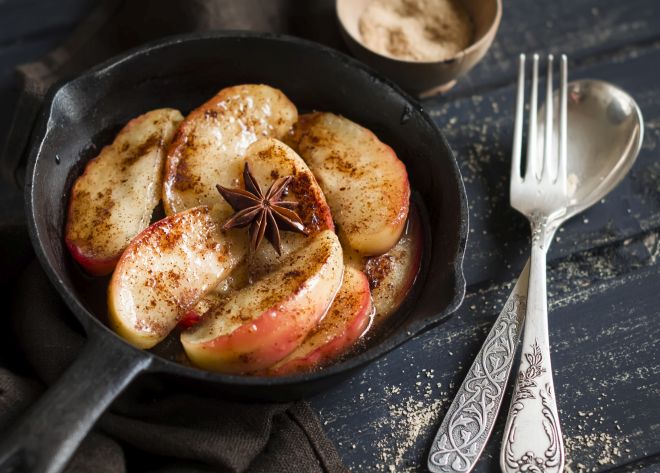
(532, 436)
(470, 418)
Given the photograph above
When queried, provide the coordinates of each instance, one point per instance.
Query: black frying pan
(82, 115)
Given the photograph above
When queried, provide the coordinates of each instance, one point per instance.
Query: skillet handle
(45, 438)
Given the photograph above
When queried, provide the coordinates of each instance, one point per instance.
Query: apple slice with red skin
(365, 183)
(211, 143)
(114, 198)
(392, 275)
(270, 159)
(347, 320)
(259, 325)
(166, 269)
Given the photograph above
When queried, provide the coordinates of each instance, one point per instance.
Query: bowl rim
(94, 327)
(473, 47)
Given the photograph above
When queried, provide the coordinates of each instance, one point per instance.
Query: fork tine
(563, 78)
(518, 124)
(547, 141)
(531, 134)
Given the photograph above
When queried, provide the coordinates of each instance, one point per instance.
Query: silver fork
(532, 436)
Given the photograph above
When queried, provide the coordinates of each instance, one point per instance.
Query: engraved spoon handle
(532, 436)
(469, 421)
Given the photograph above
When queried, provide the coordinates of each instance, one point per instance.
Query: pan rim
(92, 325)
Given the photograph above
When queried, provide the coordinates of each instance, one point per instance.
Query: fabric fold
(168, 425)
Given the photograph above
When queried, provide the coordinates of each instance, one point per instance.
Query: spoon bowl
(605, 135)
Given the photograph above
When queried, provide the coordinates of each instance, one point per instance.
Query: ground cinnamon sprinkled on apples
(137, 152)
(377, 268)
(308, 204)
(184, 179)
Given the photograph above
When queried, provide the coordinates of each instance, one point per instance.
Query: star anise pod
(266, 214)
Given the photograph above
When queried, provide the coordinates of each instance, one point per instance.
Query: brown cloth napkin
(155, 431)
(165, 431)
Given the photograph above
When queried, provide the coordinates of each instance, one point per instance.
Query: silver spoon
(604, 138)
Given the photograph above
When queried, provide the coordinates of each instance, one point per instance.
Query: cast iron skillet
(81, 115)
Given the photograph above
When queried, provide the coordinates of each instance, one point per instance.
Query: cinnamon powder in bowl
(424, 45)
(416, 30)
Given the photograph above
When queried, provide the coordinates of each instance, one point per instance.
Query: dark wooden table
(604, 267)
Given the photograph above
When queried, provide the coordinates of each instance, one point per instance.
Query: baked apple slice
(270, 159)
(114, 198)
(261, 324)
(166, 269)
(211, 142)
(392, 275)
(347, 320)
(365, 183)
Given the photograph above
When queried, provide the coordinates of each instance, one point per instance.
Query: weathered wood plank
(480, 128)
(27, 20)
(584, 29)
(607, 371)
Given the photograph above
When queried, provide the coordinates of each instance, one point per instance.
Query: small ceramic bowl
(419, 77)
